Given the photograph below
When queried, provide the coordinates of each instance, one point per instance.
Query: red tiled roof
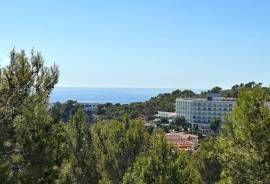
(182, 140)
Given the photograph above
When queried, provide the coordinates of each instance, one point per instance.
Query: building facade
(89, 106)
(200, 112)
(167, 115)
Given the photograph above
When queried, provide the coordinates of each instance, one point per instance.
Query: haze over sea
(105, 95)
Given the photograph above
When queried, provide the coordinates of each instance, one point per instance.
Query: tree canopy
(160, 165)
(36, 146)
(117, 144)
(29, 139)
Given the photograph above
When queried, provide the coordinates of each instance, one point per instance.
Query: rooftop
(182, 140)
(181, 136)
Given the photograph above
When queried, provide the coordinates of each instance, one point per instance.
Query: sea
(106, 95)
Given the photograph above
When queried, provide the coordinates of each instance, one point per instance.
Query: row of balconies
(206, 117)
(210, 113)
(213, 105)
(202, 121)
(206, 109)
(203, 113)
(212, 109)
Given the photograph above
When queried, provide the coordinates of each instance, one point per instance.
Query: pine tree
(160, 165)
(30, 142)
(80, 167)
(117, 144)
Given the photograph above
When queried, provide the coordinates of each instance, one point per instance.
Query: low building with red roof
(183, 140)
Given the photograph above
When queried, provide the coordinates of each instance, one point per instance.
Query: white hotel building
(199, 111)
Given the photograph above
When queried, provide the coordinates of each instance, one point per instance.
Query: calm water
(104, 95)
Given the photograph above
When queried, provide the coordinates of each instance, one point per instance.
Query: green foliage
(80, 167)
(160, 165)
(22, 78)
(36, 147)
(163, 102)
(241, 153)
(164, 121)
(206, 162)
(245, 146)
(40, 147)
(215, 125)
(238, 88)
(179, 124)
(5, 173)
(117, 144)
(216, 89)
(180, 121)
(65, 111)
(29, 141)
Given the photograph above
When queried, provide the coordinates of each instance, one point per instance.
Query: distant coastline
(108, 95)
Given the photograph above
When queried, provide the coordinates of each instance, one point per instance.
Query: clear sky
(143, 43)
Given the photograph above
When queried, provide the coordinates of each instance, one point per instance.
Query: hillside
(165, 102)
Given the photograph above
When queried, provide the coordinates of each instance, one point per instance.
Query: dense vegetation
(145, 110)
(37, 147)
(64, 111)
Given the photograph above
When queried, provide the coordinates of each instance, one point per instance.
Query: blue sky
(138, 43)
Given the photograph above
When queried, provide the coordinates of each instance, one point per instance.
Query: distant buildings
(167, 115)
(199, 111)
(182, 140)
(92, 107)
